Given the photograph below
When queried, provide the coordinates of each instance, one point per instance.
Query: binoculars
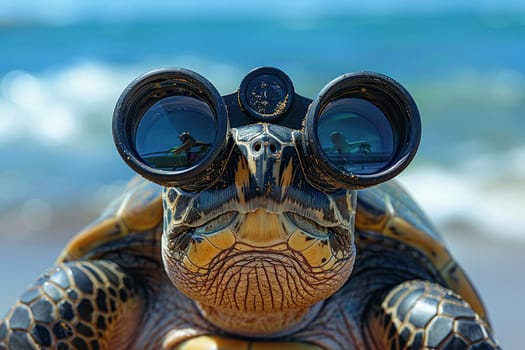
(174, 128)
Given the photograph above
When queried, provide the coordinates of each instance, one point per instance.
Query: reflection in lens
(175, 133)
(356, 136)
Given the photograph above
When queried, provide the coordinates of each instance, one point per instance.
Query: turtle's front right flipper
(419, 314)
(77, 305)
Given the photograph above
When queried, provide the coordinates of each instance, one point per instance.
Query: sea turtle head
(262, 239)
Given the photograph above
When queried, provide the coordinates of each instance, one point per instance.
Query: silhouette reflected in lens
(356, 136)
(175, 133)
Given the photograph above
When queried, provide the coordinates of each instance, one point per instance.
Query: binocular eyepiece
(173, 127)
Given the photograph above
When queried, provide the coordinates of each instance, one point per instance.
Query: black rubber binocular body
(173, 127)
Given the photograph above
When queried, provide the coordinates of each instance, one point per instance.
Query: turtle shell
(389, 210)
(138, 209)
(386, 209)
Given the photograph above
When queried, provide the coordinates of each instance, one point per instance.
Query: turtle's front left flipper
(77, 305)
(423, 315)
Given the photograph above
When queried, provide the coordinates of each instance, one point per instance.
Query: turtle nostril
(266, 147)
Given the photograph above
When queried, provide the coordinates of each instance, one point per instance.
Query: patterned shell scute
(388, 210)
(390, 198)
(138, 209)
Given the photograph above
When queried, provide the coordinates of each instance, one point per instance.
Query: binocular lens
(363, 129)
(355, 136)
(170, 126)
(175, 133)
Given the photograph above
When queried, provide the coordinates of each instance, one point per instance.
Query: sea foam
(485, 194)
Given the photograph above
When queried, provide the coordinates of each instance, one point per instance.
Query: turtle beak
(265, 166)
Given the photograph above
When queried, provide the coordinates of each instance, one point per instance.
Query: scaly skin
(78, 305)
(423, 315)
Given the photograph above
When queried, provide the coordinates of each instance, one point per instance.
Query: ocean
(59, 83)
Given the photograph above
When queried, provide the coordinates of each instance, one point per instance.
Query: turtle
(248, 263)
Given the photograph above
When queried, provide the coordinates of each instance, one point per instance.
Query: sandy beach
(496, 269)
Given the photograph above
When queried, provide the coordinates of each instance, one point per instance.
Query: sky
(64, 11)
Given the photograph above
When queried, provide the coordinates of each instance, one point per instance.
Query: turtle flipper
(423, 315)
(77, 305)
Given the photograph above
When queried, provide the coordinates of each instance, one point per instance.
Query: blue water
(466, 70)
(406, 46)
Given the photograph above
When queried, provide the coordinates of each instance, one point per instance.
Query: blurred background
(63, 64)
